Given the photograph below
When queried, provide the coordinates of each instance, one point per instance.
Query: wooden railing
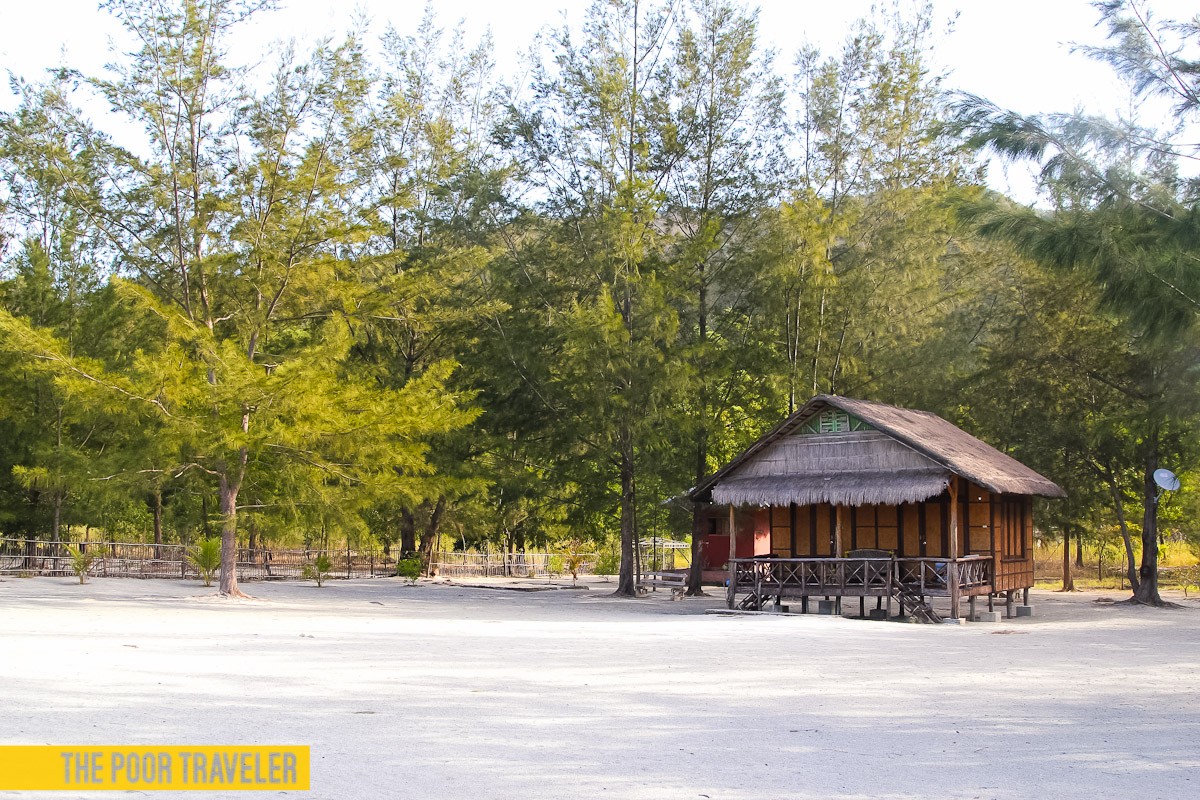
(812, 573)
(857, 577)
(975, 571)
(933, 575)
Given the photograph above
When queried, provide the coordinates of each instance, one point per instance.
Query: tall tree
(864, 273)
(432, 181)
(235, 222)
(598, 143)
(56, 272)
(730, 168)
(1125, 219)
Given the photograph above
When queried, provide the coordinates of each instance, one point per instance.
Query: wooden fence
(505, 565)
(133, 560)
(1186, 578)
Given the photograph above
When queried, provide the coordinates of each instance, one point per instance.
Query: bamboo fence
(505, 565)
(137, 560)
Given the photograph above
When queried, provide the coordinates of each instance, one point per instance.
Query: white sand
(446, 692)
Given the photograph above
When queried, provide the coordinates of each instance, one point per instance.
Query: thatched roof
(899, 455)
(838, 488)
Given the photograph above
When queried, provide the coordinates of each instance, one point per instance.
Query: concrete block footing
(1024, 611)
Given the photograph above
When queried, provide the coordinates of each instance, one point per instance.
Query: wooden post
(952, 564)
(893, 581)
(839, 531)
(995, 553)
(757, 588)
(732, 536)
(732, 555)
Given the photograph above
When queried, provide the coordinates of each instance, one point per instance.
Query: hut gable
(852, 452)
(832, 420)
(820, 454)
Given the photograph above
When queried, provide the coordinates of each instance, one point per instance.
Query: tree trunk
(430, 534)
(1068, 582)
(696, 573)
(408, 533)
(1079, 549)
(56, 529)
(56, 522)
(1123, 524)
(228, 499)
(625, 580)
(1147, 589)
(156, 505)
(205, 523)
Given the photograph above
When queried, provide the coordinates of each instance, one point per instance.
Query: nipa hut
(851, 498)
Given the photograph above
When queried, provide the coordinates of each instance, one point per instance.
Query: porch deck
(908, 581)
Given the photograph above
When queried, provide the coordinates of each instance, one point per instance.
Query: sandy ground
(442, 691)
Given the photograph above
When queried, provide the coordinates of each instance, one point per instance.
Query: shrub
(206, 559)
(409, 569)
(608, 563)
(82, 560)
(574, 559)
(319, 568)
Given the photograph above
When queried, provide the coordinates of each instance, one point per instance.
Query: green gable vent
(833, 420)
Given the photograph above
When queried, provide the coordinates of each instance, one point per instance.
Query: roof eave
(703, 492)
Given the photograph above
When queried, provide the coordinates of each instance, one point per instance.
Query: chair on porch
(882, 581)
(869, 554)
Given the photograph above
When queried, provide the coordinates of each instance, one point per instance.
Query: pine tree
(599, 144)
(1122, 217)
(236, 225)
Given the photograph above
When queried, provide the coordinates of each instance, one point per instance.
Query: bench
(675, 581)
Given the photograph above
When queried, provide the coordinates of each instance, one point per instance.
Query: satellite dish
(1166, 480)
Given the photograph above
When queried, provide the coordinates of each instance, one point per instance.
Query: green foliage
(248, 282)
(409, 569)
(205, 558)
(607, 562)
(394, 303)
(319, 568)
(82, 559)
(574, 558)
(1123, 226)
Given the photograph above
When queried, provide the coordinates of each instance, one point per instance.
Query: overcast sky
(1014, 52)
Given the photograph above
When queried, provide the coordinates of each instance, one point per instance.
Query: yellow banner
(185, 767)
